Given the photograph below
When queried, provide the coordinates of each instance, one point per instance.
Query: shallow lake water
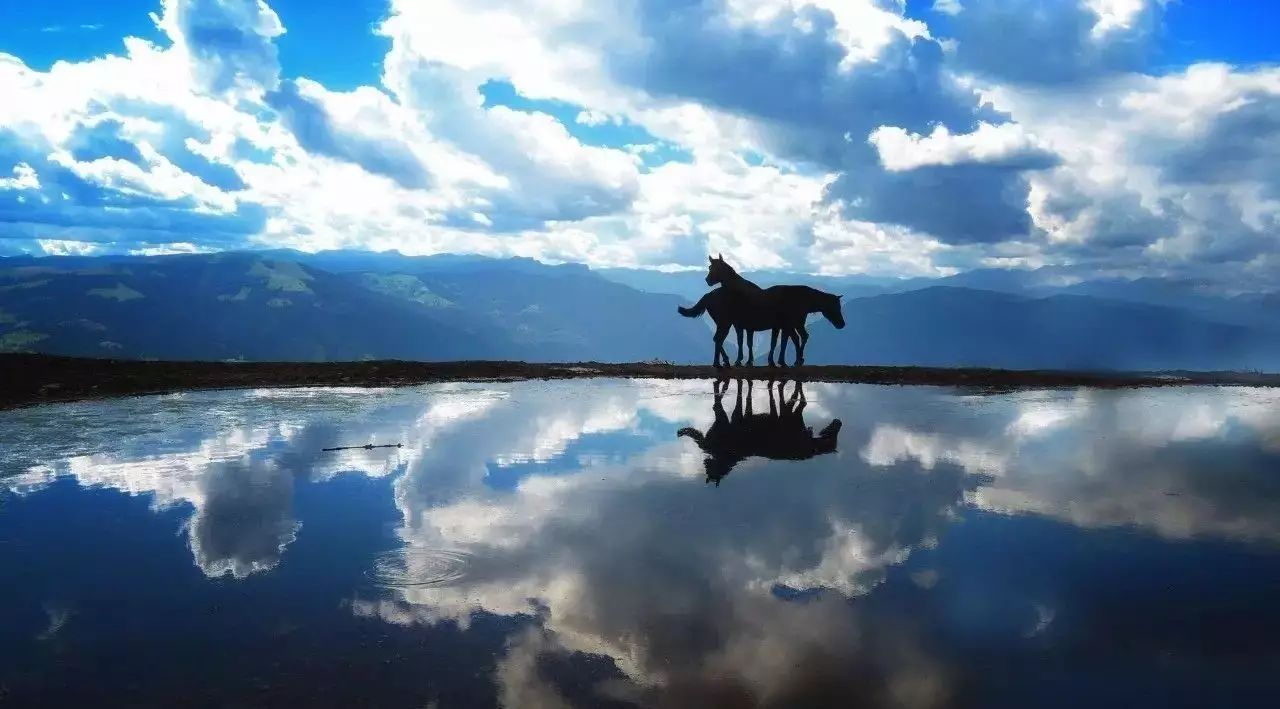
(623, 543)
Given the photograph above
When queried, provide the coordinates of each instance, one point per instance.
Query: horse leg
(751, 348)
(738, 331)
(773, 342)
(722, 331)
(801, 343)
(782, 349)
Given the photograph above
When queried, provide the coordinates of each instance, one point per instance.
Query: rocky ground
(27, 379)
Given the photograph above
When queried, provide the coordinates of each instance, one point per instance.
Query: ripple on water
(419, 566)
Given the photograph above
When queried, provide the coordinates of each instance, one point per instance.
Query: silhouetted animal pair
(746, 307)
(780, 434)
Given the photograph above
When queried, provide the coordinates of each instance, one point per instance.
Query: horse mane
(739, 278)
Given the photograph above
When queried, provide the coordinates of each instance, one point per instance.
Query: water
(611, 543)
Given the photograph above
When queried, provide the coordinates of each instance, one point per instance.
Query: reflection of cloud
(244, 522)
(688, 591)
(58, 617)
(242, 505)
(1178, 462)
(890, 445)
(1044, 618)
(848, 557)
(232, 457)
(622, 559)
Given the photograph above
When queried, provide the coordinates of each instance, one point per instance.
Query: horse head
(831, 310)
(719, 271)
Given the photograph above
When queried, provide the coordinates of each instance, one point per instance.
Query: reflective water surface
(623, 543)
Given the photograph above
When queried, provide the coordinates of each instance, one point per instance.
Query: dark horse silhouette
(743, 305)
(780, 434)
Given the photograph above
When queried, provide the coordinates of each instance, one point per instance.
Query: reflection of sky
(947, 531)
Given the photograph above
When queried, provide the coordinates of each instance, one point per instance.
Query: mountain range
(346, 305)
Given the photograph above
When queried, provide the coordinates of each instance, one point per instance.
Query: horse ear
(710, 258)
(720, 256)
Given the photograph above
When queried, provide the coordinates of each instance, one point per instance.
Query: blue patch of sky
(334, 42)
(331, 41)
(41, 32)
(609, 134)
(1240, 32)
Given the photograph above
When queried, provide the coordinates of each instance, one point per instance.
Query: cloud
(948, 7)
(24, 178)
(229, 43)
(777, 569)
(302, 107)
(1007, 144)
(808, 135)
(1159, 175)
(1055, 43)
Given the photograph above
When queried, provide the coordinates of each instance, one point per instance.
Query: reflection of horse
(780, 434)
(743, 305)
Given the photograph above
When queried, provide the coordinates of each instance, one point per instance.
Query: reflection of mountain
(780, 434)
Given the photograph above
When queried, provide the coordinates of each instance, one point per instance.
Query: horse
(796, 303)
(779, 435)
(717, 303)
(780, 309)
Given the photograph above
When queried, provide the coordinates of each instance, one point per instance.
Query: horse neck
(736, 281)
(814, 300)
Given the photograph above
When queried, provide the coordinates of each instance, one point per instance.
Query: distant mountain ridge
(945, 326)
(344, 305)
(260, 306)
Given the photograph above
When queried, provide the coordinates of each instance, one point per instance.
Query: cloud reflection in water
(765, 590)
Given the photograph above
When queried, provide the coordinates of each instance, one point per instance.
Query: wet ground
(641, 542)
(34, 379)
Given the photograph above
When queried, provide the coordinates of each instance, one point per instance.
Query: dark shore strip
(27, 379)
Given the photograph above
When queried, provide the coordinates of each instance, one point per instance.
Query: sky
(1101, 138)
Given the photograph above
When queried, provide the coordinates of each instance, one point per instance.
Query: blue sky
(1102, 137)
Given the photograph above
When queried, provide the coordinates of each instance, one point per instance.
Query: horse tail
(693, 433)
(698, 308)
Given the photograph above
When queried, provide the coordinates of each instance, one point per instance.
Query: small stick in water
(367, 447)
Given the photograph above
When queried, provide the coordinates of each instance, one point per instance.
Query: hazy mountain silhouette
(265, 306)
(944, 326)
(351, 305)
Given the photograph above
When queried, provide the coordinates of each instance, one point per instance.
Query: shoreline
(35, 379)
